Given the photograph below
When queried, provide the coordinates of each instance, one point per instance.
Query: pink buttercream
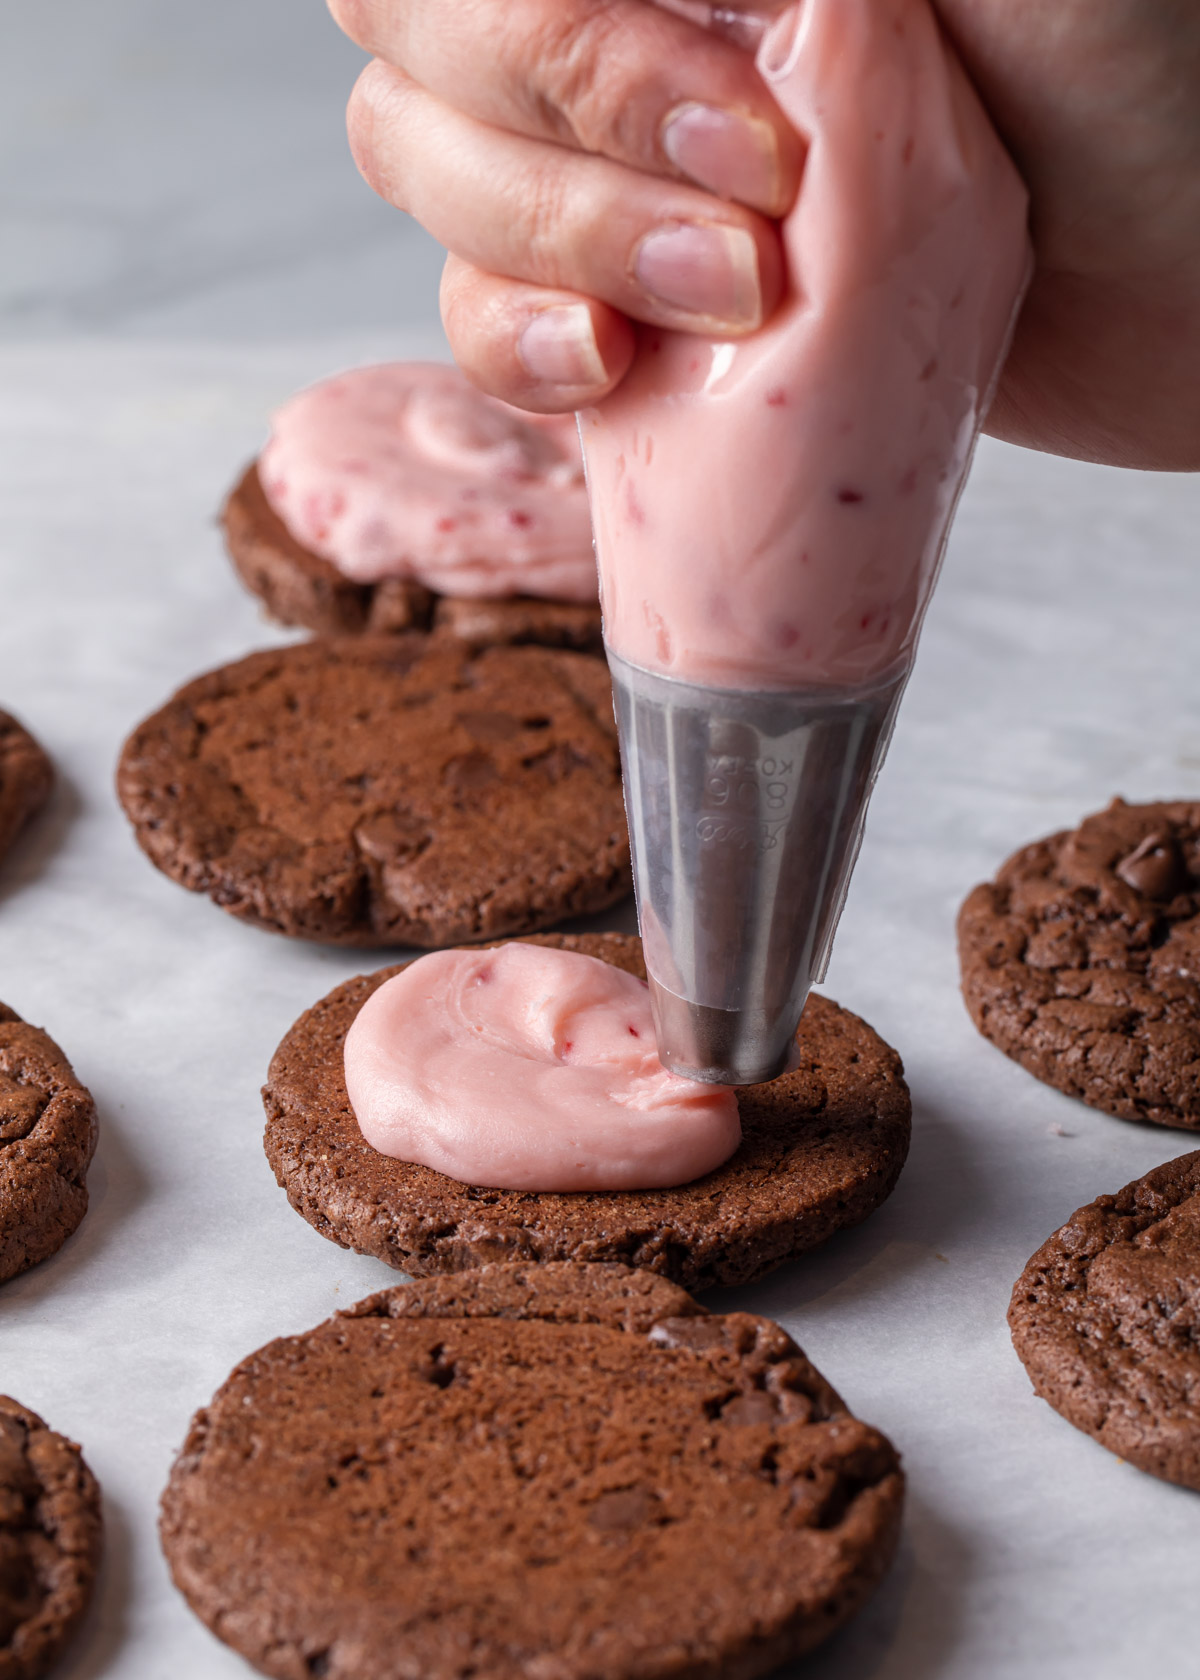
(772, 513)
(529, 1068)
(406, 470)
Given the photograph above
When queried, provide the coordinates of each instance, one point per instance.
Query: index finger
(625, 79)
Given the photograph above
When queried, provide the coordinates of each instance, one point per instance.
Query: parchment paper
(1058, 668)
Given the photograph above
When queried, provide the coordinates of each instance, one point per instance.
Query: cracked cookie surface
(299, 587)
(387, 790)
(1106, 1320)
(821, 1148)
(26, 779)
(49, 1541)
(1081, 961)
(558, 1471)
(47, 1138)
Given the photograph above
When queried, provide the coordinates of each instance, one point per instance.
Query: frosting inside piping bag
(529, 1068)
(771, 513)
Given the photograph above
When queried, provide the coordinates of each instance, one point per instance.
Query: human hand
(551, 145)
(592, 162)
(1099, 104)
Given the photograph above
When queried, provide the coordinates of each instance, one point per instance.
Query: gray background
(183, 242)
(180, 170)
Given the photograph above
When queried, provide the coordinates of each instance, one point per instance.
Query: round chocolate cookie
(299, 587)
(570, 1472)
(387, 790)
(47, 1138)
(1106, 1320)
(821, 1148)
(1081, 961)
(26, 778)
(49, 1541)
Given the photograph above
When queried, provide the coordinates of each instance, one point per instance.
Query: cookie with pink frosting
(530, 1067)
(399, 497)
(819, 1149)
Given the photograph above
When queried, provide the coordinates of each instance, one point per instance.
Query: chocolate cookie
(47, 1137)
(299, 587)
(1081, 961)
(1106, 1320)
(821, 1148)
(570, 1472)
(387, 790)
(49, 1541)
(26, 778)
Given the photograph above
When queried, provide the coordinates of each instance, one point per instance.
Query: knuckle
(458, 285)
(544, 203)
(360, 131)
(477, 313)
(584, 72)
(377, 126)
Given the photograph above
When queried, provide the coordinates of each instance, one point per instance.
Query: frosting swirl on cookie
(525, 1067)
(406, 470)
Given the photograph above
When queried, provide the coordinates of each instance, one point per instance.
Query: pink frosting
(406, 470)
(528, 1068)
(772, 513)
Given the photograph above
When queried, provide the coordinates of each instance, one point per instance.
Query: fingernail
(734, 156)
(704, 269)
(559, 347)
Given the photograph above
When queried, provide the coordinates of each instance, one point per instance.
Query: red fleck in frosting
(406, 470)
(771, 513)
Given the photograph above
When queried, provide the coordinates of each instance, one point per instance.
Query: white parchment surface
(1058, 668)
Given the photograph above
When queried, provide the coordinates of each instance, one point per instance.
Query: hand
(1099, 103)
(553, 147)
(589, 162)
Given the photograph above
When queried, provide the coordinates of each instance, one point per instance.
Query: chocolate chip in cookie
(387, 790)
(50, 1532)
(26, 779)
(1082, 961)
(560, 1471)
(1106, 1320)
(47, 1138)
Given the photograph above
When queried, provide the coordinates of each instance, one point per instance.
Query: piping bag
(770, 516)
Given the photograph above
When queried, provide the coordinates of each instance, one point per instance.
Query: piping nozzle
(746, 812)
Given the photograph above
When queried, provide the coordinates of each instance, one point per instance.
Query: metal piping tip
(718, 1046)
(745, 813)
